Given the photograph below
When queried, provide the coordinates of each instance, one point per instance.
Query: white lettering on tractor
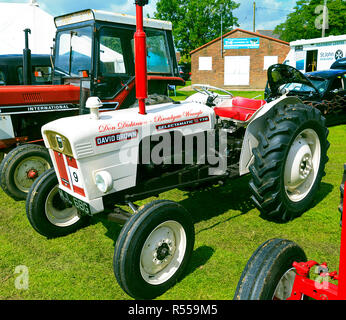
(116, 137)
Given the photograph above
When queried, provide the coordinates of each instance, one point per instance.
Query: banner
(241, 43)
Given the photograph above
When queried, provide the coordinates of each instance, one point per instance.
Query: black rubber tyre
(15, 168)
(266, 268)
(47, 212)
(287, 129)
(143, 245)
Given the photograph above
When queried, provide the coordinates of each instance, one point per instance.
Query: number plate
(78, 204)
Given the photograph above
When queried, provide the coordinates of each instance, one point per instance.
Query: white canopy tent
(15, 17)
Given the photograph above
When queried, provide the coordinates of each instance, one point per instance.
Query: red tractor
(93, 55)
(279, 270)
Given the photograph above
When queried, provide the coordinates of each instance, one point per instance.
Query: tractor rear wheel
(269, 274)
(20, 167)
(153, 249)
(289, 162)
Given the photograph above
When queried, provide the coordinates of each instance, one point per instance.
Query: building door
(311, 61)
(237, 71)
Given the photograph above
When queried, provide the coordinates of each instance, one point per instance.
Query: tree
(306, 20)
(196, 22)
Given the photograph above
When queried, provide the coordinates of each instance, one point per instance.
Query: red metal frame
(324, 290)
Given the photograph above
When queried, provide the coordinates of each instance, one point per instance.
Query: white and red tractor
(119, 157)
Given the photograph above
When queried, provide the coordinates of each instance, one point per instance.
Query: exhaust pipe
(27, 60)
(141, 57)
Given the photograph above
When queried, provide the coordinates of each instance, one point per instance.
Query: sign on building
(241, 43)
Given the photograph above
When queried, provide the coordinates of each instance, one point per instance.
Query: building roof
(244, 31)
(269, 33)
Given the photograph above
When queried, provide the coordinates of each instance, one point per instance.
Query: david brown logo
(116, 137)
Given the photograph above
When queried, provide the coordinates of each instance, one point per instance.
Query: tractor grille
(84, 149)
(32, 97)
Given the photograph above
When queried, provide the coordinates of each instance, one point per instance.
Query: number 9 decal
(75, 176)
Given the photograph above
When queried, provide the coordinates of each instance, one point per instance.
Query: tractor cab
(99, 46)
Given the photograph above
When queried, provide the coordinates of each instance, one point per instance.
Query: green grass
(228, 230)
(183, 94)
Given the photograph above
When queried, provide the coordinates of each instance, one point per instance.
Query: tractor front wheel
(153, 249)
(269, 274)
(48, 214)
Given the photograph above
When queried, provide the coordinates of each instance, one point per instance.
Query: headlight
(104, 181)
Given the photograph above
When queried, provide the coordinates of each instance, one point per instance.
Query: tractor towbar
(141, 58)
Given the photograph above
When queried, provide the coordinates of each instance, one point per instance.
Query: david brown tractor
(93, 55)
(279, 270)
(103, 160)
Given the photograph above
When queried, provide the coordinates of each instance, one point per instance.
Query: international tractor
(93, 54)
(105, 162)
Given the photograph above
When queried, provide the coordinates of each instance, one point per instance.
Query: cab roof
(99, 15)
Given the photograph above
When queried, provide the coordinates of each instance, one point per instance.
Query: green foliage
(305, 22)
(196, 22)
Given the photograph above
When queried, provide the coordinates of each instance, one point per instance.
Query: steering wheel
(203, 88)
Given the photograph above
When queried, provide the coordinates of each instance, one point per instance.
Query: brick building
(238, 60)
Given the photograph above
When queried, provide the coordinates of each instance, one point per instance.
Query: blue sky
(269, 13)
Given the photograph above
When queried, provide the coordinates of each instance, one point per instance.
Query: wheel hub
(57, 212)
(298, 164)
(284, 288)
(302, 165)
(305, 167)
(162, 252)
(28, 170)
(32, 174)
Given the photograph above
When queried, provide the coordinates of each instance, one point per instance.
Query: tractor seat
(239, 108)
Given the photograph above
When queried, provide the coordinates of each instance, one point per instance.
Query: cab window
(40, 75)
(157, 53)
(111, 55)
(158, 59)
(74, 51)
(115, 64)
(2, 78)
